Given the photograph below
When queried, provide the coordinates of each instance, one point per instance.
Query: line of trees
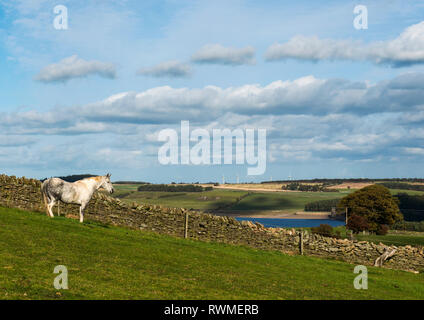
(296, 186)
(403, 186)
(322, 205)
(411, 206)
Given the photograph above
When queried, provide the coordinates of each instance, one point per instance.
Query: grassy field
(115, 263)
(394, 237)
(226, 200)
(208, 200)
(410, 192)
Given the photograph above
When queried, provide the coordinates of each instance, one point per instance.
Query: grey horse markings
(79, 192)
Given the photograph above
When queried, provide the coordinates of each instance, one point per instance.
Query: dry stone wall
(25, 194)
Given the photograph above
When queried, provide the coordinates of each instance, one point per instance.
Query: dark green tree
(357, 223)
(375, 204)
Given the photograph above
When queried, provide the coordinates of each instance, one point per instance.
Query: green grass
(394, 237)
(115, 263)
(207, 200)
(410, 192)
(124, 189)
(211, 200)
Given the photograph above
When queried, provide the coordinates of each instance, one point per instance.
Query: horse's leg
(82, 208)
(50, 206)
(46, 202)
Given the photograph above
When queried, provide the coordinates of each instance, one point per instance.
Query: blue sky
(336, 101)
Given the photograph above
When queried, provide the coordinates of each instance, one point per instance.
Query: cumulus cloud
(306, 95)
(165, 105)
(218, 54)
(75, 67)
(306, 118)
(415, 151)
(405, 50)
(173, 69)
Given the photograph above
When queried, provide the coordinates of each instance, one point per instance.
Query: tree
(375, 204)
(357, 223)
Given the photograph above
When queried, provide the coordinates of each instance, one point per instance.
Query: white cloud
(306, 119)
(173, 69)
(218, 54)
(415, 151)
(305, 95)
(74, 67)
(163, 105)
(406, 49)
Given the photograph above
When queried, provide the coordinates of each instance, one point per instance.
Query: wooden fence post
(301, 242)
(346, 217)
(186, 226)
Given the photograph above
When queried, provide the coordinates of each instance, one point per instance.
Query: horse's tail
(43, 192)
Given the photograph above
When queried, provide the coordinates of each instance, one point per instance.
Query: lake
(293, 223)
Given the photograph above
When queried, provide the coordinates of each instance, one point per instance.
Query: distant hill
(75, 177)
(339, 181)
(131, 182)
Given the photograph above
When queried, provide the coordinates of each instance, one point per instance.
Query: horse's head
(106, 184)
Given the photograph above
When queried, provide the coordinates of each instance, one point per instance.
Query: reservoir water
(293, 223)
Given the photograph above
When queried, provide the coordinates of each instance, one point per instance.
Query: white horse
(79, 192)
